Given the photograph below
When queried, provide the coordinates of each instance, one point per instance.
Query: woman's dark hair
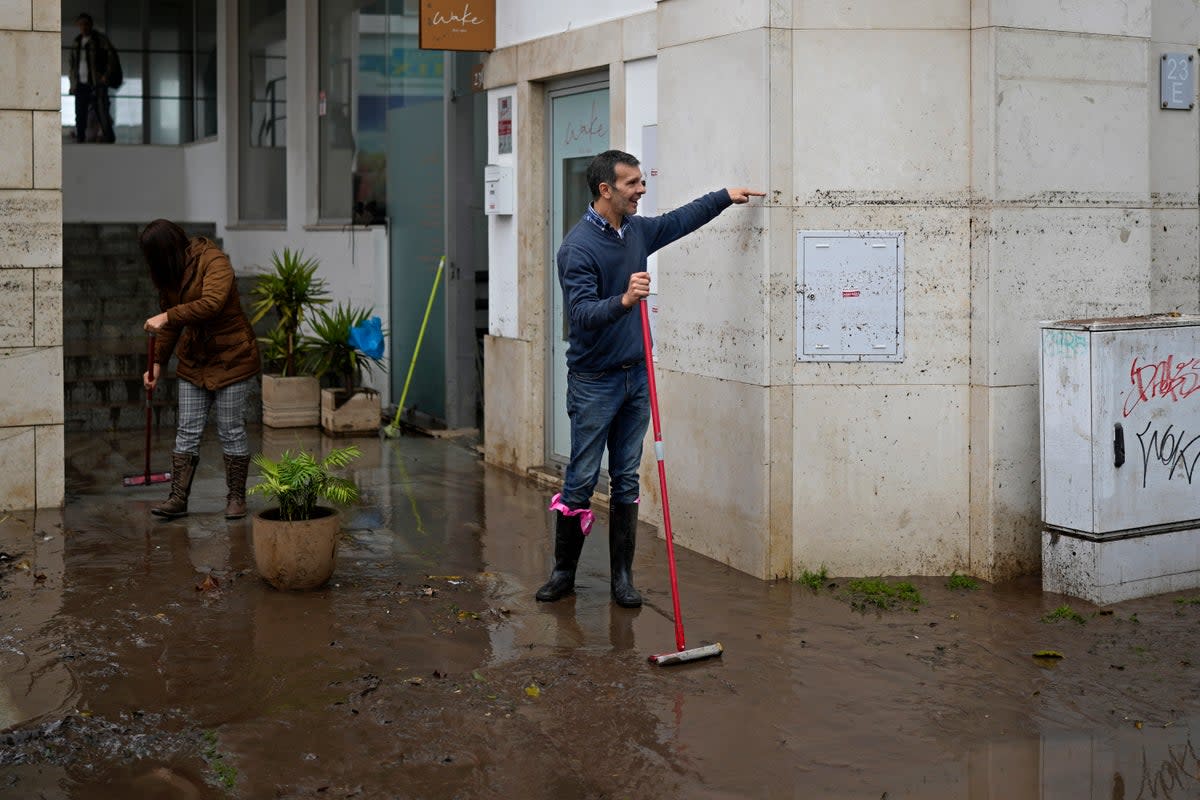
(164, 246)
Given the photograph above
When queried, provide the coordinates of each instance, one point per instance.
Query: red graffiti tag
(1174, 378)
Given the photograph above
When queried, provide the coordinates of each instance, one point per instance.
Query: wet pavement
(145, 659)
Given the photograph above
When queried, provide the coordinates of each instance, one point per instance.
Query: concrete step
(116, 390)
(85, 328)
(81, 287)
(102, 417)
(101, 266)
(112, 241)
(76, 231)
(109, 416)
(104, 366)
(128, 308)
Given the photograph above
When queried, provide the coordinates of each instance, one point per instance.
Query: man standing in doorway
(602, 271)
(94, 69)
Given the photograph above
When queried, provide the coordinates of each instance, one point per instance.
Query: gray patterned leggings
(194, 405)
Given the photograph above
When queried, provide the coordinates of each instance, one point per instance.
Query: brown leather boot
(236, 468)
(183, 469)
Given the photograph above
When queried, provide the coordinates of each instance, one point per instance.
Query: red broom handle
(149, 399)
(662, 473)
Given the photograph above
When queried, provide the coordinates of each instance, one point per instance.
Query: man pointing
(602, 271)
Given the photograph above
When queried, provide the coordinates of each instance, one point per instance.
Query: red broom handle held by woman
(662, 472)
(149, 400)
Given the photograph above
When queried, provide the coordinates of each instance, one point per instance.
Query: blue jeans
(606, 409)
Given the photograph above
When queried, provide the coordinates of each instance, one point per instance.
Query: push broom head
(146, 480)
(683, 656)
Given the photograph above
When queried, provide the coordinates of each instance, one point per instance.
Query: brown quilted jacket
(206, 326)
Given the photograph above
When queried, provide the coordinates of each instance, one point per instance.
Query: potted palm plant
(347, 407)
(290, 289)
(295, 540)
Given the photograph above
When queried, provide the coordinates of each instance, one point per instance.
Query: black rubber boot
(183, 469)
(622, 540)
(568, 544)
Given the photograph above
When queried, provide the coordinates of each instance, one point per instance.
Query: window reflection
(371, 70)
(168, 55)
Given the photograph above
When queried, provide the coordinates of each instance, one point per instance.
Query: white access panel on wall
(850, 296)
(1121, 424)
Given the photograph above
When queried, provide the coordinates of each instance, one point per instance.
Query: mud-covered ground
(426, 670)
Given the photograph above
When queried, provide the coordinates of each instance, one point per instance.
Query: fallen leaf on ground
(467, 615)
(1048, 654)
(444, 577)
(426, 591)
(23, 564)
(475, 674)
(208, 584)
(533, 691)
(415, 681)
(40, 577)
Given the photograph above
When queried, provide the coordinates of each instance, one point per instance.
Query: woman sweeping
(217, 352)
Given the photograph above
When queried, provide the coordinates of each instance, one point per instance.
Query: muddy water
(425, 669)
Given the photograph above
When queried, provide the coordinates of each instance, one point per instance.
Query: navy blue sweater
(594, 265)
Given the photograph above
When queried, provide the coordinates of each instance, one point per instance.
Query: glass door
(578, 126)
(405, 123)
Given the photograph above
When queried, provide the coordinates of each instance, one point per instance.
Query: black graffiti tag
(1172, 450)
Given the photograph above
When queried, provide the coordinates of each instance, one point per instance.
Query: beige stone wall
(1020, 147)
(31, 357)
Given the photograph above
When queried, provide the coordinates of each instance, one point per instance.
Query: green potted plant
(346, 405)
(295, 540)
(290, 289)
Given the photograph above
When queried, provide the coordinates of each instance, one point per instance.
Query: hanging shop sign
(458, 25)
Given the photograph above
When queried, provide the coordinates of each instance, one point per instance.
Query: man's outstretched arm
(676, 224)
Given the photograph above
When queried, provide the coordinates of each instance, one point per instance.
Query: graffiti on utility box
(1174, 378)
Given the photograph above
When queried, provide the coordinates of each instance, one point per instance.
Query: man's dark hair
(603, 169)
(164, 246)
(85, 17)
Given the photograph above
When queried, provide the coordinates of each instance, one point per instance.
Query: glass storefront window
(370, 69)
(262, 95)
(165, 98)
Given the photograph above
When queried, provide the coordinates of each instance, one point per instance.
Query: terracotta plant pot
(292, 402)
(357, 414)
(299, 554)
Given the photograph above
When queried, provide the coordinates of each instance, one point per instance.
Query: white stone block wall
(31, 371)
(1020, 147)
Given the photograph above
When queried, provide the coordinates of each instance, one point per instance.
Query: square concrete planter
(293, 402)
(358, 414)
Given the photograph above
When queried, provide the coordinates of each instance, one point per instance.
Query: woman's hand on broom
(155, 323)
(149, 382)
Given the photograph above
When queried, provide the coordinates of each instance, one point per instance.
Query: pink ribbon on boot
(586, 517)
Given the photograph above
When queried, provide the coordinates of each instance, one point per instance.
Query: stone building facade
(31, 353)
(1018, 145)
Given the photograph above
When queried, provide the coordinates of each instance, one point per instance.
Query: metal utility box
(497, 189)
(1120, 422)
(850, 296)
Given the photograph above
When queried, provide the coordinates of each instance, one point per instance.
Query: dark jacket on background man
(217, 346)
(101, 59)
